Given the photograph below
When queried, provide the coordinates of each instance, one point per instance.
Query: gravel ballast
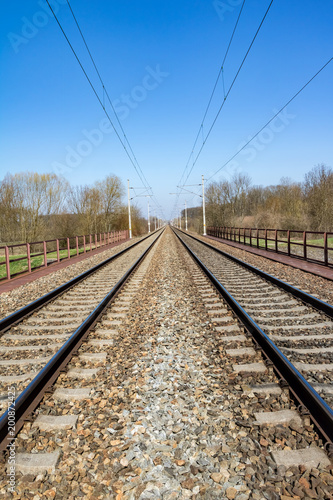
(167, 415)
(23, 295)
(310, 283)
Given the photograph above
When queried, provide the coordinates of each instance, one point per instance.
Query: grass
(283, 243)
(22, 265)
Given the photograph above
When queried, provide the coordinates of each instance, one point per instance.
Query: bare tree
(318, 188)
(226, 200)
(97, 207)
(8, 211)
(32, 197)
(239, 187)
(111, 191)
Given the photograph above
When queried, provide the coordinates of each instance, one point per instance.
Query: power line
(211, 97)
(229, 90)
(273, 118)
(213, 91)
(104, 90)
(137, 168)
(276, 114)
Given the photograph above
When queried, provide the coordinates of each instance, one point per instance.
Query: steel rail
(31, 396)
(32, 307)
(296, 292)
(320, 413)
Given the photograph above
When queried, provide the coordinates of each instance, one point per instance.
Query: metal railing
(312, 246)
(38, 254)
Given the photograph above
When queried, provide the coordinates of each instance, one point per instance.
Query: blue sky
(159, 62)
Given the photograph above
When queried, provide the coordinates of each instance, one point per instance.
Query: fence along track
(294, 243)
(25, 311)
(83, 244)
(33, 393)
(231, 279)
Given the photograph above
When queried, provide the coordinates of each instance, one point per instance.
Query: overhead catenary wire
(214, 88)
(105, 91)
(225, 94)
(133, 162)
(229, 90)
(273, 118)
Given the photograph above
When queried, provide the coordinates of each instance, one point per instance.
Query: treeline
(306, 205)
(45, 206)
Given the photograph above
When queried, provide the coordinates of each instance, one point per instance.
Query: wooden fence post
(266, 245)
(7, 263)
(77, 244)
(325, 250)
(288, 241)
(28, 257)
(45, 253)
(58, 253)
(304, 246)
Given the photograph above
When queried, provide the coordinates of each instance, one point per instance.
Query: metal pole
(180, 219)
(148, 218)
(185, 216)
(203, 207)
(155, 222)
(129, 211)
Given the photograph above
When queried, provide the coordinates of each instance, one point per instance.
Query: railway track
(39, 330)
(168, 399)
(299, 325)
